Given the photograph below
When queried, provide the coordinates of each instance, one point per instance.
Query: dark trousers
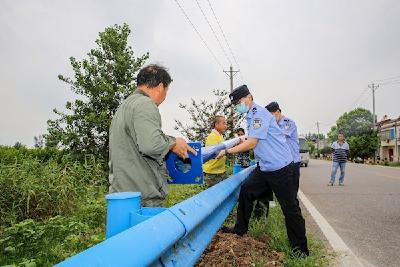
(281, 183)
(296, 176)
(262, 204)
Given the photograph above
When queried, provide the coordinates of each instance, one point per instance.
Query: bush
(36, 243)
(31, 189)
(51, 206)
(11, 155)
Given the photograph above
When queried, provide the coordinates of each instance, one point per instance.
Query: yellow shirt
(214, 166)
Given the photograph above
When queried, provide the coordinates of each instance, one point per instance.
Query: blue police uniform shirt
(272, 149)
(289, 128)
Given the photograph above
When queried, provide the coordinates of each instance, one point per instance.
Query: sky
(315, 58)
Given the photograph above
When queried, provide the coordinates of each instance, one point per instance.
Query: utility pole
(231, 111)
(231, 73)
(373, 88)
(318, 139)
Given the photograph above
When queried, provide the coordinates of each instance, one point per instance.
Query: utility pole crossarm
(231, 73)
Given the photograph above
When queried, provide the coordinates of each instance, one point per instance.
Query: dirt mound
(232, 250)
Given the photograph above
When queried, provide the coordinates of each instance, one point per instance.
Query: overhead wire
(212, 30)
(390, 78)
(225, 39)
(365, 100)
(200, 36)
(358, 98)
(390, 82)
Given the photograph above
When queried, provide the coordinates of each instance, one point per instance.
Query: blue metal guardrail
(176, 236)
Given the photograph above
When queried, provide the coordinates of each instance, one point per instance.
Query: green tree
(355, 122)
(18, 145)
(356, 126)
(363, 145)
(38, 141)
(202, 113)
(101, 81)
(314, 136)
(311, 145)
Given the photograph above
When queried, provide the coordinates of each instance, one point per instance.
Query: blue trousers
(335, 166)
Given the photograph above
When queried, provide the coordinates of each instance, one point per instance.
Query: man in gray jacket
(138, 145)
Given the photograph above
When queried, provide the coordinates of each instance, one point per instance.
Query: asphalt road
(365, 212)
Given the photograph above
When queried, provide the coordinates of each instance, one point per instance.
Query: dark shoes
(231, 230)
(301, 253)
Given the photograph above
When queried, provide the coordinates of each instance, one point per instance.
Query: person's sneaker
(330, 184)
(230, 230)
(301, 254)
(341, 184)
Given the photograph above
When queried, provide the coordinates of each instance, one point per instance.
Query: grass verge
(274, 227)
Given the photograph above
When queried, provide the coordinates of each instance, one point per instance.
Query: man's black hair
(152, 75)
(239, 130)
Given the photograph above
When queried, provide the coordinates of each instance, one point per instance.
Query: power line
(212, 30)
(390, 78)
(390, 82)
(224, 37)
(198, 33)
(358, 98)
(366, 99)
(310, 127)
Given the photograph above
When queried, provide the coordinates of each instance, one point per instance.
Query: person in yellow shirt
(215, 169)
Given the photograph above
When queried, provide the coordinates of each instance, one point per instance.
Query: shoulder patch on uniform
(287, 124)
(257, 123)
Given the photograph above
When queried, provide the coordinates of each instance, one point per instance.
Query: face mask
(242, 108)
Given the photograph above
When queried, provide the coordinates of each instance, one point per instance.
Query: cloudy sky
(316, 58)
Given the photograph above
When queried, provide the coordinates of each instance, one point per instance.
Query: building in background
(389, 133)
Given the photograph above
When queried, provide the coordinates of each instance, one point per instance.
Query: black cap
(272, 107)
(238, 93)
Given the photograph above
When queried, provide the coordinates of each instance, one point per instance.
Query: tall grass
(50, 207)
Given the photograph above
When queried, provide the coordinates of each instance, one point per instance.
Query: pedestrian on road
(137, 144)
(215, 169)
(340, 153)
(273, 172)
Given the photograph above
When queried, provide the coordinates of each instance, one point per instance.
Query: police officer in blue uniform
(273, 172)
(289, 128)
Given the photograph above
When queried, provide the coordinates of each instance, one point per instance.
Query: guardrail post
(120, 207)
(124, 210)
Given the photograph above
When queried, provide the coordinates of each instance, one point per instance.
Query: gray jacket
(138, 148)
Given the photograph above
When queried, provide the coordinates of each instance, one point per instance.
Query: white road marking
(348, 258)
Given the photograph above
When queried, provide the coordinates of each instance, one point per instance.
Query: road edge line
(336, 242)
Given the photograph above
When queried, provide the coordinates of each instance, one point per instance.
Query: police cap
(272, 107)
(238, 93)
